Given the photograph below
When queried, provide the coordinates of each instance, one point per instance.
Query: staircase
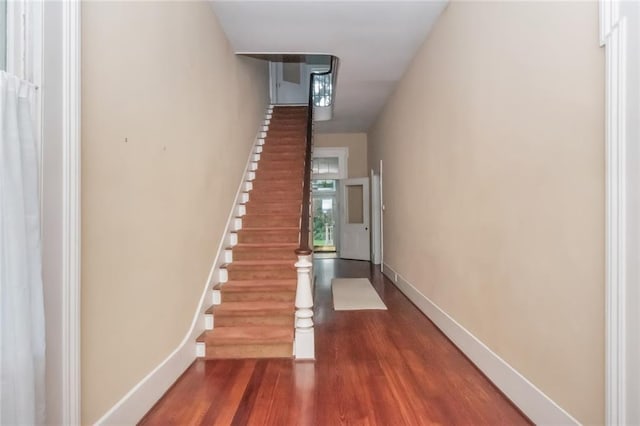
(255, 318)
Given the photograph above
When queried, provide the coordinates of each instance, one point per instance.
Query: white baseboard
(524, 394)
(139, 400)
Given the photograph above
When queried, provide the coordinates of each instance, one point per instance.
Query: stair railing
(304, 343)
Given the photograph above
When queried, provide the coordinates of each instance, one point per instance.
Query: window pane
(322, 90)
(322, 165)
(324, 219)
(323, 185)
(355, 196)
(3, 35)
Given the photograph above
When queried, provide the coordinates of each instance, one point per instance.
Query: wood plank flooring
(389, 367)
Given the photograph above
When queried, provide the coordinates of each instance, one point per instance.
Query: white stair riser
(223, 276)
(208, 322)
(201, 349)
(216, 297)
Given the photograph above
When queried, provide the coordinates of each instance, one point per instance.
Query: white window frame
(15, 38)
(341, 153)
(3, 34)
(24, 40)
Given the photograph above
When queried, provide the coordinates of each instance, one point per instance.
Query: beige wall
(169, 115)
(357, 144)
(493, 150)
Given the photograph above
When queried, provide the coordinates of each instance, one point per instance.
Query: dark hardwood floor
(389, 367)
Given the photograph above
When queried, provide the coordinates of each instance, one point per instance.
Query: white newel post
(304, 345)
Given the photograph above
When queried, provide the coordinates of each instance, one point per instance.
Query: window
(3, 35)
(325, 213)
(323, 185)
(329, 163)
(325, 165)
(21, 27)
(20, 39)
(322, 90)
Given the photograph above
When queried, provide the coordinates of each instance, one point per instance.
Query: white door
(291, 83)
(354, 241)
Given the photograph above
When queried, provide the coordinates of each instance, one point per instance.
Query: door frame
(44, 47)
(72, 117)
(61, 205)
(342, 153)
(335, 195)
(366, 206)
(619, 34)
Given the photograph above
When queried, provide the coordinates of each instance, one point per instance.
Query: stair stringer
(141, 398)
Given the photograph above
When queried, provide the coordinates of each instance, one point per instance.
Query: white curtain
(22, 338)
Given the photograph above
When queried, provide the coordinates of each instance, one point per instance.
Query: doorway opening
(325, 215)
(354, 223)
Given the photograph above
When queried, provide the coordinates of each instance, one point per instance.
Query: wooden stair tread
(253, 307)
(277, 176)
(282, 149)
(238, 263)
(284, 195)
(274, 216)
(248, 335)
(278, 215)
(283, 189)
(270, 228)
(264, 215)
(279, 195)
(288, 204)
(279, 162)
(245, 285)
(280, 173)
(271, 218)
(278, 188)
(260, 246)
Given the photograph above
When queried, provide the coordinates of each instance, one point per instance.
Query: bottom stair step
(253, 313)
(255, 290)
(248, 342)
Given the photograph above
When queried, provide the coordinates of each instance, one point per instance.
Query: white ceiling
(375, 41)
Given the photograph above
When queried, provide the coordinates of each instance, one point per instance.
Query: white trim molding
(71, 114)
(525, 395)
(620, 36)
(139, 400)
